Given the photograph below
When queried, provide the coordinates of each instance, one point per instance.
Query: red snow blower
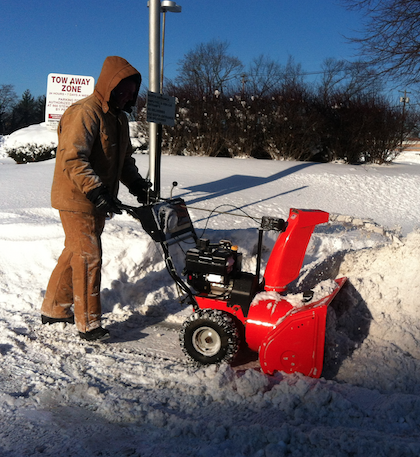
(232, 307)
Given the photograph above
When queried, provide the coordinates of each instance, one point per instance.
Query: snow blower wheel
(209, 336)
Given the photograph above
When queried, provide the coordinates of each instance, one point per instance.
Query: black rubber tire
(209, 336)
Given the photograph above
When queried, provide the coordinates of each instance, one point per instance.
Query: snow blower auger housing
(231, 306)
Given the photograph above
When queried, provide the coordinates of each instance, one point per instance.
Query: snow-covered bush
(32, 152)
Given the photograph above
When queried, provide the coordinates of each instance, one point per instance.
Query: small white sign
(63, 91)
(160, 109)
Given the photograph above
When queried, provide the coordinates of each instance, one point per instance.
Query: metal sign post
(155, 129)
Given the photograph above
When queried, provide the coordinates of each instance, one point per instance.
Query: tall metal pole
(155, 130)
(163, 47)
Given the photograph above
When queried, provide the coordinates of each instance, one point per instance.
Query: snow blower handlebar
(166, 222)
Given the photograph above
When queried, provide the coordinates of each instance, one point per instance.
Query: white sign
(63, 91)
(160, 109)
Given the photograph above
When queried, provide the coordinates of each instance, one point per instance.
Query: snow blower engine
(231, 307)
(212, 268)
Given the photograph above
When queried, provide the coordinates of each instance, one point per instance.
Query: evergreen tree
(27, 111)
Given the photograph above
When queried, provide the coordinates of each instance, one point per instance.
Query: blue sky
(42, 37)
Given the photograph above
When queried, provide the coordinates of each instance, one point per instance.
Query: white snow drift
(136, 396)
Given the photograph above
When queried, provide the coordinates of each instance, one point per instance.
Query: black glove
(104, 201)
(140, 188)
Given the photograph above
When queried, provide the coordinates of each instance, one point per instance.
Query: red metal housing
(287, 338)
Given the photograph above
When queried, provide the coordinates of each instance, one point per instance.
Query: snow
(137, 396)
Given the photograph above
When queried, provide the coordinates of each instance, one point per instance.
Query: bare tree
(294, 76)
(334, 73)
(349, 78)
(264, 76)
(8, 99)
(208, 68)
(391, 36)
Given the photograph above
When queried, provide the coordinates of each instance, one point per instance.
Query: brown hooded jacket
(94, 145)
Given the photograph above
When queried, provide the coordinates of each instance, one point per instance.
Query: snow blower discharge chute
(232, 307)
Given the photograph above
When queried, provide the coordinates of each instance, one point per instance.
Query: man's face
(124, 94)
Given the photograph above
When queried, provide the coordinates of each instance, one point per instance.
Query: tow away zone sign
(63, 91)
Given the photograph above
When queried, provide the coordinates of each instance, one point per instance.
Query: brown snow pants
(77, 277)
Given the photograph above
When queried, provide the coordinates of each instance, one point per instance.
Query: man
(94, 153)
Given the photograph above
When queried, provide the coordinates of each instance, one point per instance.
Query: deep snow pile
(136, 396)
(387, 280)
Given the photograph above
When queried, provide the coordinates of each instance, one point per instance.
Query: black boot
(55, 320)
(97, 334)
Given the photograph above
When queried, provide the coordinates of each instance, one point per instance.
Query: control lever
(174, 184)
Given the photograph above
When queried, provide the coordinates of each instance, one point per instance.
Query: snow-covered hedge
(32, 152)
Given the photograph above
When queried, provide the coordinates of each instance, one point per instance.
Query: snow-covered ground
(136, 396)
